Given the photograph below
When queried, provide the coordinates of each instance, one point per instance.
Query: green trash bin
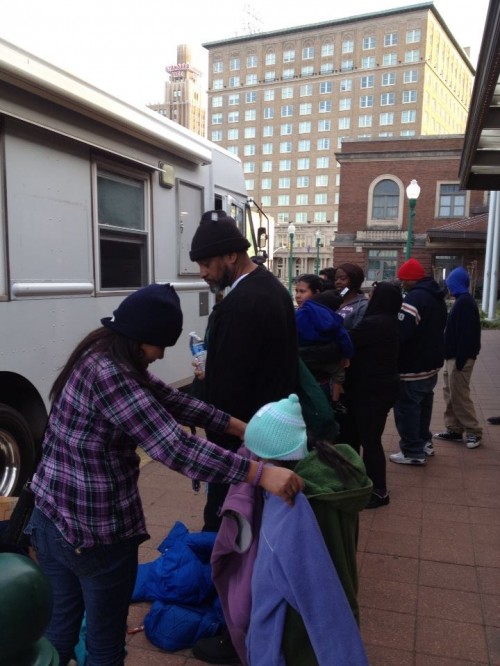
(25, 609)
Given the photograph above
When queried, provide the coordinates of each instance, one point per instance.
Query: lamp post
(412, 192)
(291, 236)
(318, 243)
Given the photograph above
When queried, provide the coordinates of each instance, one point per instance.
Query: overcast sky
(123, 46)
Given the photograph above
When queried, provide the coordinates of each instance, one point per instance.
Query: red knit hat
(411, 270)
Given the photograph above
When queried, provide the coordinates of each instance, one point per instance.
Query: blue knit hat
(151, 315)
(278, 431)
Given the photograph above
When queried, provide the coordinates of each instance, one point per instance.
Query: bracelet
(258, 476)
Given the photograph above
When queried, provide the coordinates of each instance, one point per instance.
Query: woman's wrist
(258, 476)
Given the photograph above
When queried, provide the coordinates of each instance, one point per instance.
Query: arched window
(385, 200)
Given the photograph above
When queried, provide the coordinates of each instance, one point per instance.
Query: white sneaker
(403, 460)
(473, 441)
(429, 449)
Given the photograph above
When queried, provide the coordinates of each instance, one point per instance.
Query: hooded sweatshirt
(422, 321)
(462, 336)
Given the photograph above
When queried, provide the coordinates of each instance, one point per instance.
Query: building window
(407, 132)
(265, 201)
(270, 75)
(267, 130)
(233, 100)
(249, 167)
(232, 134)
(286, 129)
(268, 112)
(303, 163)
(284, 200)
(284, 183)
(365, 101)
(347, 65)
(302, 181)
(389, 59)
(385, 204)
(250, 114)
(327, 49)
(218, 67)
(234, 82)
(344, 122)
(346, 85)
(322, 163)
(345, 104)
(412, 56)
(326, 68)
(387, 118)
(307, 71)
(250, 97)
(451, 201)
(266, 183)
(325, 87)
(409, 96)
(216, 118)
(367, 81)
(234, 64)
(268, 95)
(233, 117)
(324, 125)
(325, 106)
(286, 147)
(410, 76)
(369, 43)
(250, 133)
(217, 101)
(286, 111)
(391, 39)
(123, 230)
(388, 79)
(408, 116)
(305, 109)
(347, 46)
(308, 53)
(234, 150)
(412, 36)
(250, 184)
(368, 62)
(285, 165)
(365, 121)
(305, 127)
(323, 144)
(217, 135)
(287, 92)
(382, 265)
(288, 73)
(321, 198)
(387, 99)
(270, 58)
(251, 61)
(218, 84)
(251, 80)
(302, 199)
(249, 150)
(304, 146)
(267, 148)
(306, 90)
(289, 55)
(322, 181)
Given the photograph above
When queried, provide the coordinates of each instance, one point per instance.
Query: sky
(123, 46)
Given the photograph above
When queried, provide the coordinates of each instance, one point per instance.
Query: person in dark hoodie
(372, 384)
(422, 321)
(462, 340)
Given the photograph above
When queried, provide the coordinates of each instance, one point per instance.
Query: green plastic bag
(316, 410)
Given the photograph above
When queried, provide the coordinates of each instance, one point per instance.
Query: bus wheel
(17, 451)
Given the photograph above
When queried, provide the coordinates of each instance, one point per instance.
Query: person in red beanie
(422, 321)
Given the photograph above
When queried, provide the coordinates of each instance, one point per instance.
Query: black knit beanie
(217, 235)
(151, 315)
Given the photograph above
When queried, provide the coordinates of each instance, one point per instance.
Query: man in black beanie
(252, 352)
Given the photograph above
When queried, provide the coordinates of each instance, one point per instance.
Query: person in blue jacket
(462, 339)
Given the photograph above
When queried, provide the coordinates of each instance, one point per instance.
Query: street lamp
(291, 236)
(318, 243)
(412, 192)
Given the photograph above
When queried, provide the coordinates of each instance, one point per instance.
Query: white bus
(97, 198)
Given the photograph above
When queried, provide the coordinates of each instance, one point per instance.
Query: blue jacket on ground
(462, 336)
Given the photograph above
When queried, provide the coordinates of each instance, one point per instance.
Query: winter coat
(462, 335)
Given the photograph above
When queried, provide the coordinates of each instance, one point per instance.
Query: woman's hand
(281, 482)
(236, 427)
(198, 372)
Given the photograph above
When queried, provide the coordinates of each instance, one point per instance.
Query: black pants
(363, 426)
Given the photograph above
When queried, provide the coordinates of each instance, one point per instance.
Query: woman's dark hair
(329, 275)
(330, 456)
(122, 350)
(354, 273)
(315, 283)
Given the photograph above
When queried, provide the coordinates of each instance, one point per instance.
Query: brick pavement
(429, 562)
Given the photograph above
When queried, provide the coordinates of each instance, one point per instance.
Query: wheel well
(20, 394)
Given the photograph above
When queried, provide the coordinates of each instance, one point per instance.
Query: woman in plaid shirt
(88, 520)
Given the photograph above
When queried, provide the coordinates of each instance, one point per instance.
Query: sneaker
(377, 500)
(429, 449)
(216, 650)
(494, 420)
(449, 436)
(404, 460)
(473, 441)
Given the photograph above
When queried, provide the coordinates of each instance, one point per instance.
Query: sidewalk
(429, 562)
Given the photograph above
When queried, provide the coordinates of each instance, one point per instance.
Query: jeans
(412, 413)
(98, 580)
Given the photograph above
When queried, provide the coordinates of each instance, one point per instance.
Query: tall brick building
(285, 101)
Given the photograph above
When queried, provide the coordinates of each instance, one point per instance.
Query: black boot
(216, 650)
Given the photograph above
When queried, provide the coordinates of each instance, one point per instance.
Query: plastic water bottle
(198, 350)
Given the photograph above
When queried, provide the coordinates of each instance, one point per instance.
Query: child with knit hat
(302, 607)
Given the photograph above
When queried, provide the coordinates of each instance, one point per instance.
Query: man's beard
(226, 280)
